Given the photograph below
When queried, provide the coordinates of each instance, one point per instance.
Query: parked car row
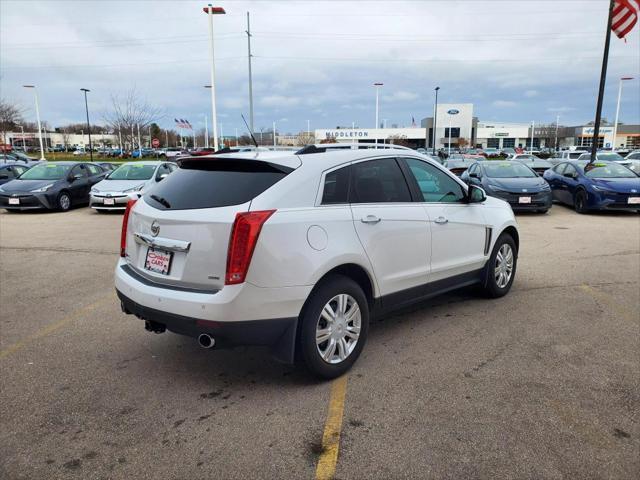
(63, 185)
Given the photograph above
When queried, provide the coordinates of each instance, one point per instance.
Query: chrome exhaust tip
(206, 341)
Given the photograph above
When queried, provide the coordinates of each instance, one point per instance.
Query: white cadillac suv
(300, 252)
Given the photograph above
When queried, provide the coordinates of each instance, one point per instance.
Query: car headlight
(134, 189)
(496, 188)
(601, 189)
(95, 190)
(43, 189)
(545, 187)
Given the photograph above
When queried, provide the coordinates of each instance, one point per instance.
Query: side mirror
(474, 175)
(162, 177)
(476, 194)
(4, 176)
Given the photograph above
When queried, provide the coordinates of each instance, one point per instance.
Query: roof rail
(324, 147)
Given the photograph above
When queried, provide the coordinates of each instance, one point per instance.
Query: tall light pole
(139, 142)
(451, 113)
(211, 11)
(435, 121)
(86, 107)
(206, 132)
(222, 135)
(377, 85)
(120, 140)
(615, 125)
(557, 123)
(308, 128)
(273, 131)
(35, 91)
(250, 77)
(533, 127)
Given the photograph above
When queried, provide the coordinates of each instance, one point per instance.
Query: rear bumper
(239, 314)
(277, 333)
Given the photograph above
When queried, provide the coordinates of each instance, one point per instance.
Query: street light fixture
(615, 125)
(210, 10)
(435, 121)
(377, 85)
(35, 91)
(86, 107)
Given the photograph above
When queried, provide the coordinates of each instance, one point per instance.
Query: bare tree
(128, 113)
(399, 140)
(65, 139)
(305, 138)
(463, 143)
(10, 116)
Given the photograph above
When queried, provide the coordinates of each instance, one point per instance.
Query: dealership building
(457, 126)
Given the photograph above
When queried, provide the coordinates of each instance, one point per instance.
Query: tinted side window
(559, 169)
(216, 183)
(95, 170)
(570, 169)
(10, 172)
(434, 184)
(336, 187)
(79, 170)
(378, 181)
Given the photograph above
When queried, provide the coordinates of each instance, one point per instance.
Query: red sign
(155, 143)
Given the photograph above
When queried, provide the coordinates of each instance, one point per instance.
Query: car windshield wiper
(161, 201)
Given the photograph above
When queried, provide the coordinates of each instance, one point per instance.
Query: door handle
(370, 219)
(441, 220)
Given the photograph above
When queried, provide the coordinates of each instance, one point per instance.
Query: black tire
(580, 202)
(64, 205)
(310, 317)
(490, 286)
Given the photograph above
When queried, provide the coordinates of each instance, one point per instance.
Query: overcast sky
(517, 61)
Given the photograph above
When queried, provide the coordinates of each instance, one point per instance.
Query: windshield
(607, 170)
(508, 170)
(132, 171)
(48, 171)
(612, 157)
(529, 158)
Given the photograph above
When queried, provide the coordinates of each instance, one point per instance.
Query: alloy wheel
(338, 328)
(504, 265)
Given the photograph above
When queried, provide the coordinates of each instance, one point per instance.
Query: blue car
(599, 186)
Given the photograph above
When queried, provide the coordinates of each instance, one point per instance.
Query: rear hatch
(178, 233)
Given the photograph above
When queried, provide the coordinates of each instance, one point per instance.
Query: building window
(633, 142)
(536, 143)
(508, 143)
(588, 141)
(455, 132)
(493, 143)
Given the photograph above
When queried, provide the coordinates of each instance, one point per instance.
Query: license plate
(158, 261)
(109, 201)
(634, 200)
(14, 201)
(524, 200)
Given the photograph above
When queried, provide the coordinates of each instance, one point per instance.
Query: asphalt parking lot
(543, 383)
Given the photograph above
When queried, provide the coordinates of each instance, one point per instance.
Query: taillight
(244, 237)
(125, 222)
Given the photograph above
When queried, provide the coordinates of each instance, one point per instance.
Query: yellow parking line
(326, 467)
(53, 327)
(611, 303)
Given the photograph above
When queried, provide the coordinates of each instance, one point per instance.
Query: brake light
(244, 236)
(125, 222)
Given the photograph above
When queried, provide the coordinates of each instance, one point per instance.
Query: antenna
(250, 132)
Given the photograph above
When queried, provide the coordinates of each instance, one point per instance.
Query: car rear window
(214, 183)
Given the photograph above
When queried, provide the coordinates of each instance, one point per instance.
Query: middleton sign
(347, 134)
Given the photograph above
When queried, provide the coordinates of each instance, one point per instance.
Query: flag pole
(603, 78)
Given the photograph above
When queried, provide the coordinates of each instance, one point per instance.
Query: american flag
(183, 124)
(625, 16)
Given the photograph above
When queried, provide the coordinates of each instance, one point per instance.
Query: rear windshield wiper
(161, 201)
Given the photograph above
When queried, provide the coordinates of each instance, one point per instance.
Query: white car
(128, 181)
(173, 152)
(300, 252)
